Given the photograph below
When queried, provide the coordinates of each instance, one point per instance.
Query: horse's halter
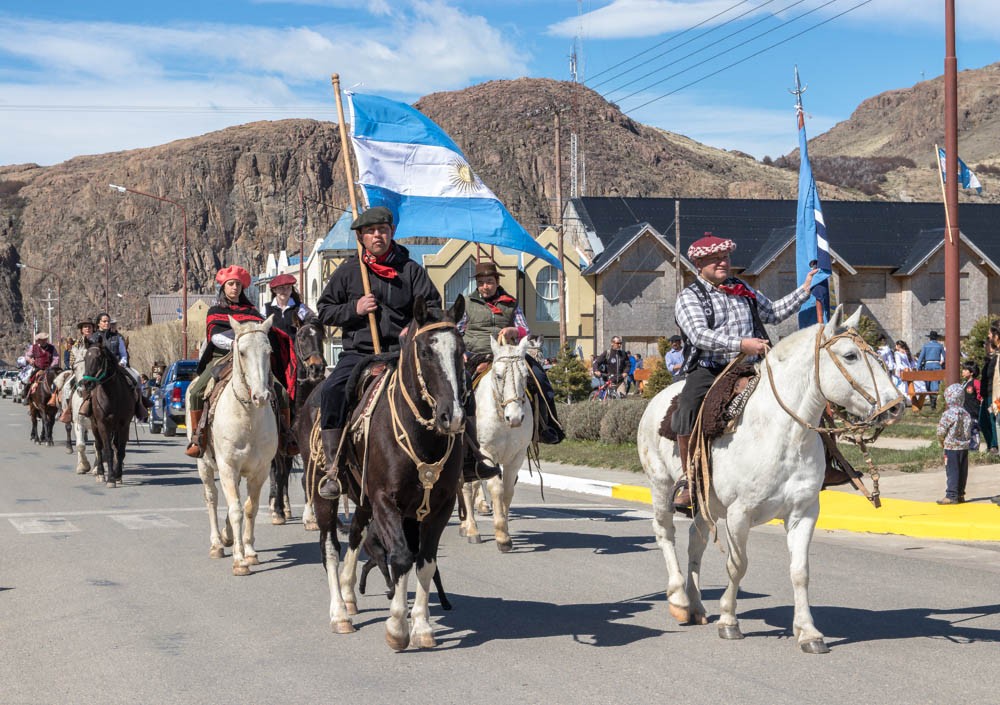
(238, 368)
(104, 374)
(853, 427)
(499, 385)
(425, 393)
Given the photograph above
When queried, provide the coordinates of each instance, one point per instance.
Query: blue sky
(99, 76)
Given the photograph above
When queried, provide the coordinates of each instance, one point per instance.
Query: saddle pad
(714, 416)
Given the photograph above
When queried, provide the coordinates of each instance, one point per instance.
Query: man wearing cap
(492, 313)
(396, 281)
(674, 359)
(931, 357)
(719, 317)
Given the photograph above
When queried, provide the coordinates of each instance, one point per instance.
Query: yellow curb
(847, 512)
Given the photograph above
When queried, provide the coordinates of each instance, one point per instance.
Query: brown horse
(112, 404)
(39, 408)
(403, 476)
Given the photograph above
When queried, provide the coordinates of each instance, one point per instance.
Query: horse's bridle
(849, 427)
(498, 391)
(104, 374)
(425, 393)
(238, 368)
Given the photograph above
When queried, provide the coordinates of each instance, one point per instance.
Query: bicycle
(607, 390)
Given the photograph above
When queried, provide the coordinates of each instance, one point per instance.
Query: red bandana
(379, 264)
(738, 289)
(501, 299)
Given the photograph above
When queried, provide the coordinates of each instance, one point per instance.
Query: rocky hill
(240, 189)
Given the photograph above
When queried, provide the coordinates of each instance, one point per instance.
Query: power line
(709, 46)
(209, 109)
(728, 50)
(693, 39)
(747, 58)
(672, 37)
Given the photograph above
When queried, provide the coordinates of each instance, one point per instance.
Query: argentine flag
(810, 237)
(966, 177)
(411, 166)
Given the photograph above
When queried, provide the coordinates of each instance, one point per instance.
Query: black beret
(378, 215)
(676, 339)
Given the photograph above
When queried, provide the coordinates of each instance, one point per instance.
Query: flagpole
(349, 172)
(944, 194)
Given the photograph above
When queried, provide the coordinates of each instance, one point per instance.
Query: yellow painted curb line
(848, 512)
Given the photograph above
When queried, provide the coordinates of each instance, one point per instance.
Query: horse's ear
(495, 345)
(419, 310)
(235, 325)
(458, 309)
(526, 342)
(834, 322)
(266, 325)
(854, 321)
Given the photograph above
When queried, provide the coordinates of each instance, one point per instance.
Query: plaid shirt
(733, 322)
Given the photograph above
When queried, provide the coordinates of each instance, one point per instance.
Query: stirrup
(329, 488)
(682, 499)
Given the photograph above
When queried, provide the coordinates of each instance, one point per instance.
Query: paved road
(108, 596)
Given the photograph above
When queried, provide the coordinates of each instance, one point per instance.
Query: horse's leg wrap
(329, 484)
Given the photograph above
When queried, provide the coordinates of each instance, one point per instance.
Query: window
(462, 282)
(547, 294)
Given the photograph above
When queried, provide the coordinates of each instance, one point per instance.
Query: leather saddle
(718, 412)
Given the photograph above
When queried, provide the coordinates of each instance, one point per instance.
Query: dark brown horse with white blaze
(39, 408)
(112, 404)
(404, 476)
(310, 371)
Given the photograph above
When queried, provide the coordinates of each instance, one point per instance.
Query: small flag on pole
(812, 250)
(411, 166)
(966, 177)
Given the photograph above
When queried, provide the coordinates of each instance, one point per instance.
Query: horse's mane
(783, 346)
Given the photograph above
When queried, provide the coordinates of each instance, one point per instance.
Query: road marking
(102, 512)
(137, 522)
(43, 525)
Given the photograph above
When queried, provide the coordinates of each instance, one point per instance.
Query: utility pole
(678, 276)
(952, 310)
(302, 249)
(559, 227)
(48, 300)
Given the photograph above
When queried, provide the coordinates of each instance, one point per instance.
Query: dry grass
(159, 342)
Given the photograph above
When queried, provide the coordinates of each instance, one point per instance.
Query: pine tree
(569, 376)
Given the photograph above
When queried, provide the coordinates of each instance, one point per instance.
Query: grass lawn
(913, 425)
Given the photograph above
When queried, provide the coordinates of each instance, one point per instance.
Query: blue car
(167, 412)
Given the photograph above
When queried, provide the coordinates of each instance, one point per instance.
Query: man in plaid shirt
(720, 318)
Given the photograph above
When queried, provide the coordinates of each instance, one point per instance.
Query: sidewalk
(908, 500)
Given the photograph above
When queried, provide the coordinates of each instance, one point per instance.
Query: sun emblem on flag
(462, 176)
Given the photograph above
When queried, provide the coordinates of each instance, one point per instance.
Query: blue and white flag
(411, 166)
(811, 246)
(966, 178)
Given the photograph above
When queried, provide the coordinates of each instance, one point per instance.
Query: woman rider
(219, 337)
(286, 307)
(107, 337)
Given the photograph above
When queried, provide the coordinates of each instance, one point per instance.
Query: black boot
(329, 485)
(682, 497)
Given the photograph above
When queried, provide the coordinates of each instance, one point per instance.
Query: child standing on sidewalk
(973, 399)
(953, 431)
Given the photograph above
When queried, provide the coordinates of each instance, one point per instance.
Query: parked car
(7, 380)
(167, 412)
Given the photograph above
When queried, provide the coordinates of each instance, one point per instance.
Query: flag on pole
(966, 177)
(811, 246)
(411, 166)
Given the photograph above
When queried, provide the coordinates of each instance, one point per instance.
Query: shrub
(862, 173)
(582, 422)
(869, 330)
(659, 379)
(569, 377)
(974, 346)
(621, 421)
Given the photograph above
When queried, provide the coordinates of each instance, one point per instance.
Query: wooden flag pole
(944, 195)
(349, 172)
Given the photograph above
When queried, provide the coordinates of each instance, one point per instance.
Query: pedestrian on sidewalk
(931, 357)
(953, 433)
(987, 415)
(973, 399)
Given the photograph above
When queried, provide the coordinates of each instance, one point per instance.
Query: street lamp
(184, 259)
(22, 265)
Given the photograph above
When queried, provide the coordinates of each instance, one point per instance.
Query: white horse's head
(510, 379)
(252, 361)
(852, 376)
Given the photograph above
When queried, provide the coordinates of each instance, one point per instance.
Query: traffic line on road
(43, 525)
(137, 522)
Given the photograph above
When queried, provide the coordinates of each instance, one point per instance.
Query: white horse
(504, 426)
(771, 467)
(81, 424)
(242, 439)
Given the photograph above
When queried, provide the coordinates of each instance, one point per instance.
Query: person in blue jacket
(931, 357)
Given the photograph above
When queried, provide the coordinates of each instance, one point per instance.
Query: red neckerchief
(379, 264)
(499, 299)
(738, 289)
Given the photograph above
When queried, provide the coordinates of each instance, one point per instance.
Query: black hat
(379, 215)
(933, 335)
(487, 269)
(676, 339)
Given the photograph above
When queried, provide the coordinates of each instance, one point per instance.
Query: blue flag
(811, 246)
(966, 177)
(411, 166)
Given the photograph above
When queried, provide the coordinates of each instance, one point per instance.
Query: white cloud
(376, 7)
(645, 18)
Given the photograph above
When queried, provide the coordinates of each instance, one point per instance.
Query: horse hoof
(699, 618)
(505, 546)
(227, 542)
(111, 485)
(288, 512)
(352, 607)
(397, 643)
(730, 631)
(814, 646)
(82, 471)
(69, 451)
(680, 614)
(252, 560)
(310, 526)
(240, 569)
(484, 509)
(423, 641)
(278, 519)
(476, 538)
(216, 552)
(342, 627)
